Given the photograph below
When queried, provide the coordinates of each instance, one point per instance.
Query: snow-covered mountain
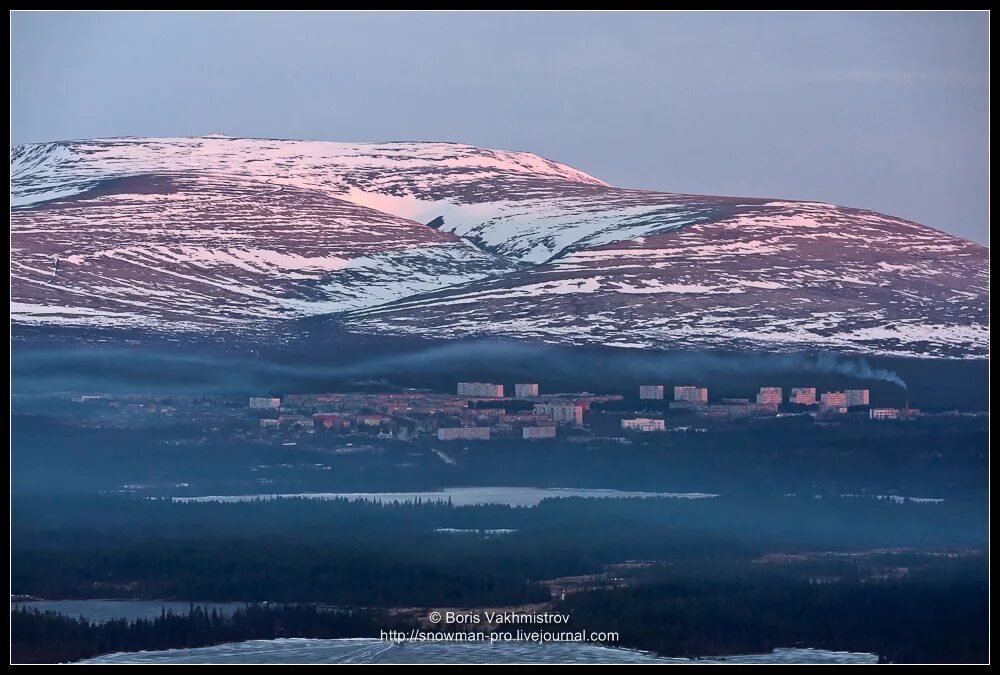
(197, 251)
(449, 240)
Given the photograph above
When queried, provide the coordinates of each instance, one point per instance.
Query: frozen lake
(463, 496)
(369, 650)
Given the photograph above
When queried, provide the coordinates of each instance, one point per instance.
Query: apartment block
(643, 424)
(651, 392)
(857, 397)
(484, 389)
(769, 395)
(534, 433)
(833, 399)
(525, 390)
(464, 434)
(803, 395)
(561, 413)
(691, 394)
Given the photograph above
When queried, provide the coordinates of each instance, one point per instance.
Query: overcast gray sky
(886, 111)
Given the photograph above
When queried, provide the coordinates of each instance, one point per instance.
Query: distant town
(481, 411)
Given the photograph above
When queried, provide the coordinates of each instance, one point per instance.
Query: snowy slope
(190, 252)
(214, 232)
(520, 205)
(779, 277)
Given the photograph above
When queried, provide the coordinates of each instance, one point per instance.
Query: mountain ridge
(227, 233)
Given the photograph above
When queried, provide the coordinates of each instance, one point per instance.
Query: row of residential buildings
(654, 392)
(766, 395)
(485, 433)
(768, 402)
(478, 411)
(491, 390)
(831, 399)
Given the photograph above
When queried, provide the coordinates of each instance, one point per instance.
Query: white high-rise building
(691, 394)
(561, 414)
(569, 414)
(769, 396)
(651, 392)
(857, 397)
(484, 389)
(803, 395)
(525, 390)
(834, 399)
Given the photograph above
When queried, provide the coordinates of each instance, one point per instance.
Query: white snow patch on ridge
(251, 260)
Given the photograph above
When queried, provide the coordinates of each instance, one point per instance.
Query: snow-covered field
(369, 650)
